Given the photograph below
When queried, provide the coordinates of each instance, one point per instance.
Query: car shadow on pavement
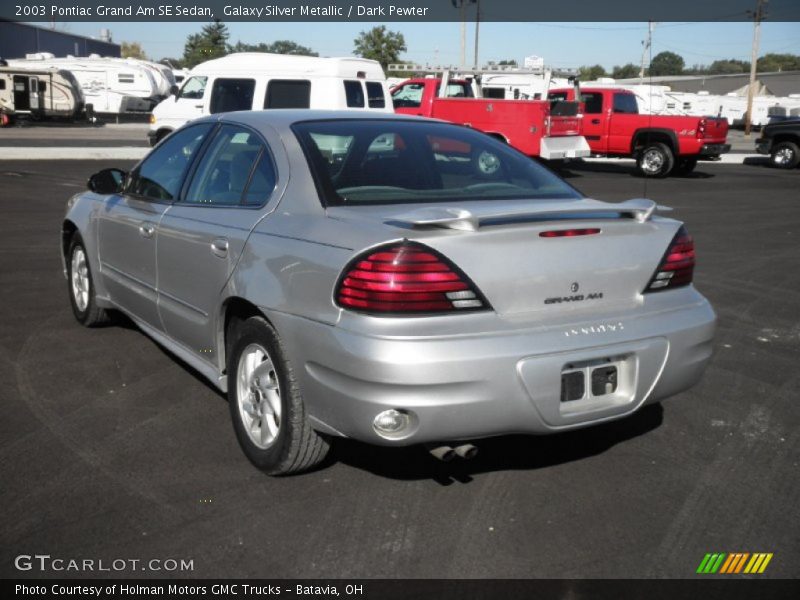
(758, 161)
(512, 452)
(574, 169)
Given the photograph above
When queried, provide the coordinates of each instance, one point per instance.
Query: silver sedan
(390, 279)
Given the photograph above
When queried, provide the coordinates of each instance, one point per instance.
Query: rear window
(354, 93)
(375, 95)
(288, 93)
(370, 161)
(228, 95)
(625, 104)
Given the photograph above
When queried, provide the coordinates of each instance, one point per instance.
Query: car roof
(281, 119)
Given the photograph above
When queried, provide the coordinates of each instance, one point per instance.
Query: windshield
(385, 161)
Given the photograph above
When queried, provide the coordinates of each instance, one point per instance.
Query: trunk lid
(499, 247)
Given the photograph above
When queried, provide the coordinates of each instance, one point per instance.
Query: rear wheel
(655, 160)
(81, 286)
(785, 155)
(685, 166)
(266, 406)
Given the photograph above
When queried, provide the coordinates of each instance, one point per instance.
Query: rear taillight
(677, 266)
(701, 128)
(406, 278)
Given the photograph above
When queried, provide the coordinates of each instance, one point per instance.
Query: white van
(258, 80)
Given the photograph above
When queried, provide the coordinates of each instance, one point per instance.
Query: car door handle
(595, 121)
(146, 230)
(198, 106)
(219, 247)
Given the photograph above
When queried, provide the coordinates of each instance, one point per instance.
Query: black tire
(785, 155)
(655, 160)
(85, 310)
(684, 166)
(296, 446)
(162, 133)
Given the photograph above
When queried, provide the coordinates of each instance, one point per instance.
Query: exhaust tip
(466, 451)
(442, 453)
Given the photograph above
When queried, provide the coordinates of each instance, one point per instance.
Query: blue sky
(561, 44)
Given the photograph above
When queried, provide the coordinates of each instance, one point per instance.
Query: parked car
(259, 80)
(782, 142)
(661, 144)
(430, 285)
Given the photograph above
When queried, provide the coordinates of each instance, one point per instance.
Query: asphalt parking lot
(111, 448)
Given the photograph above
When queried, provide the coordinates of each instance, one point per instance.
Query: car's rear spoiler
(471, 220)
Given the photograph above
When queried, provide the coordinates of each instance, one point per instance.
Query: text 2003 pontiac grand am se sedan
(391, 279)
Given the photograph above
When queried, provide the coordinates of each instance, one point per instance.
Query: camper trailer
(40, 94)
(110, 85)
(258, 80)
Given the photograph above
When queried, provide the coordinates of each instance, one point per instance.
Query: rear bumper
(707, 150)
(471, 386)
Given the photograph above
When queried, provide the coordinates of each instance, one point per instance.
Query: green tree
(507, 63)
(666, 63)
(210, 43)
(276, 47)
(724, 67)
(778, 62)
(132, 50)
(587, 73)
(380, 44)
(625, 71)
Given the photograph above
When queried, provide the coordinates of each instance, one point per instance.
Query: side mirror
(173, 91)
(107, 181)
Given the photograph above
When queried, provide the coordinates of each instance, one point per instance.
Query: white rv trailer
(109, 85)
(259, 80)
(42, 94)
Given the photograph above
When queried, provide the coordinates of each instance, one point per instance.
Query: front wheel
(81, 286)
(655, 160)
(785, 155)
(266, 406)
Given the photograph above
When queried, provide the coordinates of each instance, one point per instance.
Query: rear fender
(642, 137)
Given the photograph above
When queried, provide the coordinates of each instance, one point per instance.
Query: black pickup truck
(782, 142)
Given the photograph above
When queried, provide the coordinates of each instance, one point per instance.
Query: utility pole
(645, 47)
(463, 62)
(758, 16)
(477, 28)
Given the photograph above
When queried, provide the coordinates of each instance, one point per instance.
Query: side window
(593, 102)
(492, 92)
(354, 93)
(194, 88)
(288, 93)
(42, 87)
(228, 95)
(625, 104)
(161, 174)
(2, 84)
(236, 169)
(456, 90)
(408, 95)
(375, 95)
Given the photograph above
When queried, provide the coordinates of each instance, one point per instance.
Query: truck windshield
(386, 161)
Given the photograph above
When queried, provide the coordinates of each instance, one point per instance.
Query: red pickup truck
(661, 144)
(528, 125)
